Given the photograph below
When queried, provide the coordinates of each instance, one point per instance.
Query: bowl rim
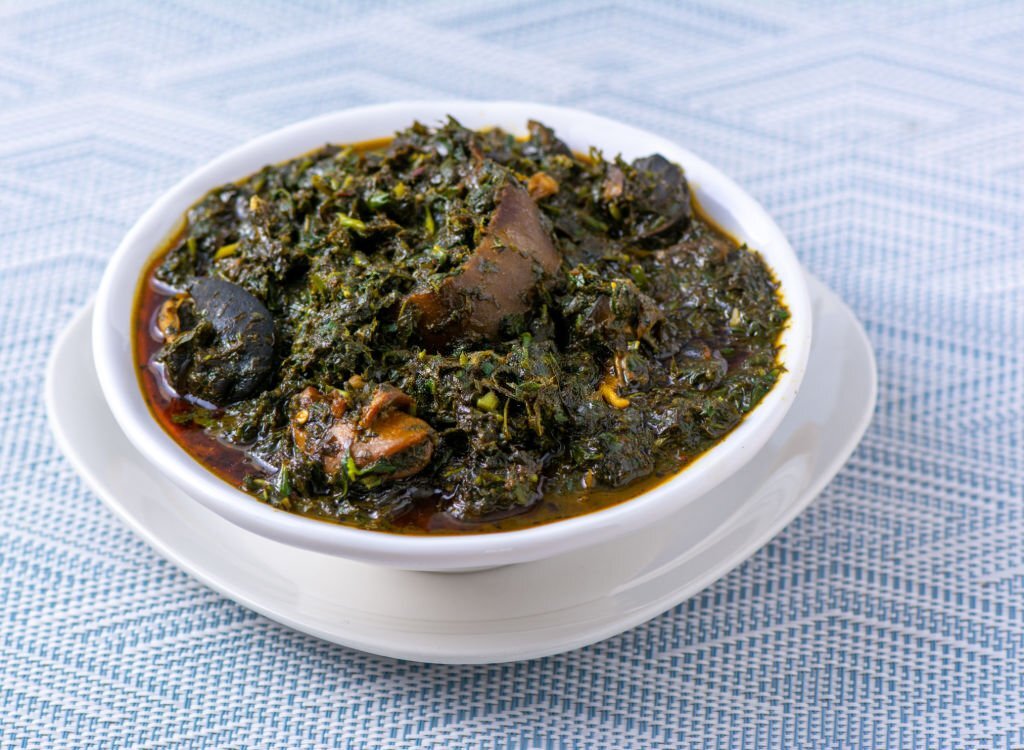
(719, 196)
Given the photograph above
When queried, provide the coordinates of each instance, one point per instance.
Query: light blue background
(888, 141)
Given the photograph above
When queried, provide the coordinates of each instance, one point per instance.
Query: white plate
(503, 614)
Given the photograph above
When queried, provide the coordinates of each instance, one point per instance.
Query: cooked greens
(445, 329)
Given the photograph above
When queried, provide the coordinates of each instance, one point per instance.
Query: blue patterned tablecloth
(889, 143)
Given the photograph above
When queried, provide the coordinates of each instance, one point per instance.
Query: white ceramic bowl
(729, 206)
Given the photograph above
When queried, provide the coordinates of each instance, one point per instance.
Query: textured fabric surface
(888, 141)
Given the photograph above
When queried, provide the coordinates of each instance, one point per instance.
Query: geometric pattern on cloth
(888, 142)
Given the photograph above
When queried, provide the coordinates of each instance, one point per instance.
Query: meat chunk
(382, 439)
(385, 398)
(499, 280)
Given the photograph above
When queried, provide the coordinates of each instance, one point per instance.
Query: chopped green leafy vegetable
(455, 327)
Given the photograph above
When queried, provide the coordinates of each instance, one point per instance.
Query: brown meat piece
(499, 279)
(383, 435)
(386, 397)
